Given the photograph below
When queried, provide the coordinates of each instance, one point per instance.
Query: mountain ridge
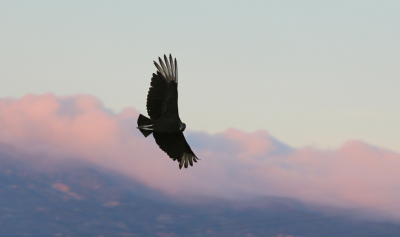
(75, 198)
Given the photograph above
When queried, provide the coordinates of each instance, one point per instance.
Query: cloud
(234, 164)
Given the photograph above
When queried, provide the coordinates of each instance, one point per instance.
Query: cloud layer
(233, 164)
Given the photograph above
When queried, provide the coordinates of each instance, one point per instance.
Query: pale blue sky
(309, 72)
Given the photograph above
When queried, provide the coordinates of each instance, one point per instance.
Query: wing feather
(176, 71)
(169, 69)
(162, 98)
(172, 67)
(165, 71)
(175, 145)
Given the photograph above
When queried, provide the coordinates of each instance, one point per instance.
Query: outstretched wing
(175, 145)
(162, 99)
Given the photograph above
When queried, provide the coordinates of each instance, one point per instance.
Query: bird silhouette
(162, 108)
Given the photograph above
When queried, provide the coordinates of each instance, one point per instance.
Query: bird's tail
(145, 125)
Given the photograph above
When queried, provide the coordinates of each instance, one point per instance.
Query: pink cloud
(234, 164)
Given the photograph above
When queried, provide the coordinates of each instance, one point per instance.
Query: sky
(311, 73)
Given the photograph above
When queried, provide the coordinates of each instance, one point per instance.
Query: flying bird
(162, 108)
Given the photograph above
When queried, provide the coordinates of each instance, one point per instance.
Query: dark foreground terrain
(84, 200)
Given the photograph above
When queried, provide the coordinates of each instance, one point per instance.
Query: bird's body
(164, 121)
(167, 125)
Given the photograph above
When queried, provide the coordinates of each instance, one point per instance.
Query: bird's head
(182, 127)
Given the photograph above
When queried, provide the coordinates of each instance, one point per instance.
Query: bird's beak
(182, 127)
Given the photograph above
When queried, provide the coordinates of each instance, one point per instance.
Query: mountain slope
(81, 199)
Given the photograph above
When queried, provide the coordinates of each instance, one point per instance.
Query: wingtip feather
(191, 161)
(163, 65)
(186, 161)
(168, 68)
(171, 62)
(159, 69)
(169, 71)
(181, 163)
(176, 71)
